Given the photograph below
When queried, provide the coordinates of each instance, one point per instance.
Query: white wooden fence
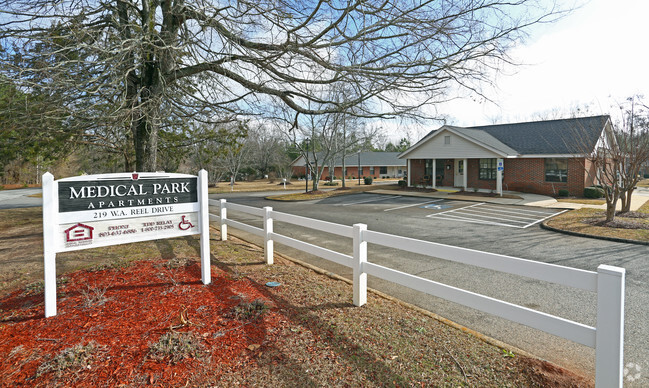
(608, 282)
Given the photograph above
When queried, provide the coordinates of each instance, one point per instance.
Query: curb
(545, 226)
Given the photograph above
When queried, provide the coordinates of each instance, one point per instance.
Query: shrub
(402, 183)
(331, 183)
(593, 192)
(368, 180)
(646, 176)
(563, 193)
(175, 347)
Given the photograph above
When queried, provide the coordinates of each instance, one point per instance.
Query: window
(372, 171)
(556, 170)
(447, 140)
(383, 170)
(487, 169)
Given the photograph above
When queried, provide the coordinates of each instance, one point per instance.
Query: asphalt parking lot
(449, 210)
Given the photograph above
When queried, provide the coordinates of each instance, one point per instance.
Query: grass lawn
(137, 315)
(581, 221)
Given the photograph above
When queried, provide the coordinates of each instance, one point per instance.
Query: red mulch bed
(145, 301)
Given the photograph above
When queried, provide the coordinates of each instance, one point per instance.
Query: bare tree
(618, 155)
(146, 66)
(633, 141)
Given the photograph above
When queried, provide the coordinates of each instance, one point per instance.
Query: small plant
(38, 287)
(508, 353)
(250, 310)
(593, 192)
(368, 180)
(94, 296)
(177, 262)
(475, 189)
(563, 193)
(402, 183)
(176, 346)
(76, 357)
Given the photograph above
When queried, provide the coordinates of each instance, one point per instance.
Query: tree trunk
(626, 201)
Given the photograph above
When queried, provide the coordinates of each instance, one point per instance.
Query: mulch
(145, 301)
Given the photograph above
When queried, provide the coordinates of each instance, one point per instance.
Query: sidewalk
(526, 199)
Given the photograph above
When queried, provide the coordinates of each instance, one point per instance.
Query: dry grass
(329, 341)
(581, 221)
(349, 189)
(585, 201)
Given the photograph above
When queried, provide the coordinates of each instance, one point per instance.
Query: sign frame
(73, 223)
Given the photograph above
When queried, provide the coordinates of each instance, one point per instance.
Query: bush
(331, 183)
(402, 183)
(563, 193)
(646, 176)
(593, 192)
(368, 180)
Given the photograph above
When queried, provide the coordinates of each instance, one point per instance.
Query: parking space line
(514, 211)
(482, 213)
(543, 219)
(451, 217)
(370, 200)
(454, 210)
(416, 204)
(471, 214)
(490, 206)
(507, 216)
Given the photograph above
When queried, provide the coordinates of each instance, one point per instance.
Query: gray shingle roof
(565, 136)
(550, 137)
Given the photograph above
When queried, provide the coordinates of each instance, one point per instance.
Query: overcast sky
(597, 55)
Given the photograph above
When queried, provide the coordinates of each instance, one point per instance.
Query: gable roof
(549, 137)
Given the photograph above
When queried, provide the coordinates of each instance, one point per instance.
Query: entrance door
(459, 173)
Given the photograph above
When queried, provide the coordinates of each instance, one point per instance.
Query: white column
(609, 342)
(465, 179)
(268, 229)
(434, 174)
(409, 172)
(204, 227)
(223, 214)
(50, 224)
(360, 256)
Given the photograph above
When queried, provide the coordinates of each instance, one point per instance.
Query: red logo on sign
(135, 176)
(78, 232)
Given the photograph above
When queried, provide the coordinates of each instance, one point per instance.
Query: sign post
(500, 167)
(101, 210)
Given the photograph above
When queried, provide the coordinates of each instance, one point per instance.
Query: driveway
(420, 218)
(19, 198)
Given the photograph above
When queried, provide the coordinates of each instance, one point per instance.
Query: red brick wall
(524, 175)
(528, 176)
(473, 180)
(417, 171)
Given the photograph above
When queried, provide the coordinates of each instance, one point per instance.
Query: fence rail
(608, 282)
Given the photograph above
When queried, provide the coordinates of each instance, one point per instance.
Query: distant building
(535, 157)
(374, 164)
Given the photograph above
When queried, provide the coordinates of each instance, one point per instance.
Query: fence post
(268, 229)
(223, 214)
(360, 256)
(609, 343)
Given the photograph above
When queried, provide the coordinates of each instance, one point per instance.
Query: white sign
(100, 210)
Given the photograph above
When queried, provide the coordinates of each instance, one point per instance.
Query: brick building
(536, 157)
(373, 164)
